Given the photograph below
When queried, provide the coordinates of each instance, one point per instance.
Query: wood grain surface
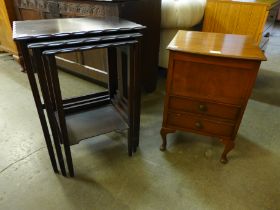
(216, 44)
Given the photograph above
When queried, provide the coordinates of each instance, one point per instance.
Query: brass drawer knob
(198, 125)
(202, 108)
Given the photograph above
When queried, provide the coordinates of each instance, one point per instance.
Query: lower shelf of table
(93, 122)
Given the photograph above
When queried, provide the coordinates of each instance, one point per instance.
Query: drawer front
(200, 107)
(203, 126)
(210, 81)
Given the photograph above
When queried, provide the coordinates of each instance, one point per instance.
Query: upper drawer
(215, 82)
(202, 107)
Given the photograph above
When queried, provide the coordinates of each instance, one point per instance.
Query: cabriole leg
(163, 133)
(229, 145)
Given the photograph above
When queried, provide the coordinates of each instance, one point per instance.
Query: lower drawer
(201, 125)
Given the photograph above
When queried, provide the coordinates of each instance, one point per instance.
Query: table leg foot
(163, 133)
(229, 145)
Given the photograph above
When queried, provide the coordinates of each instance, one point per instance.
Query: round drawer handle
(198, 125)
(202, 108)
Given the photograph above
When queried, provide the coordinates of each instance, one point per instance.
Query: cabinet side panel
(168, 86)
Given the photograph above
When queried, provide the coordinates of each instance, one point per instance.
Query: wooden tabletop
(216, 44)
(64, 27)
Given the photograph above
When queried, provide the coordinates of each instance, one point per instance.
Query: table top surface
(216, 44)
(65, 27)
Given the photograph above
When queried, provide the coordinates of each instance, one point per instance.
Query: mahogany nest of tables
(74, 119)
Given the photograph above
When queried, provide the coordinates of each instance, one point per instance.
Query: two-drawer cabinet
(210, 78)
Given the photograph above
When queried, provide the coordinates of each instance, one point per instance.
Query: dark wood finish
(63, 114)
(71, 27)
(83, 125)
(139, 11)
(51, 67)
(49, 101)
(210, 78)
(147, 13)
(39, 105)
(113, 65)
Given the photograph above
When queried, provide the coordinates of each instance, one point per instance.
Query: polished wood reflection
(216, 44)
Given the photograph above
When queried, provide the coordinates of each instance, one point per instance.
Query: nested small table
(74, 119)
(210, 79)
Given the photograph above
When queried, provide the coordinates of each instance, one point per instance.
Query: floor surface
(187, 176)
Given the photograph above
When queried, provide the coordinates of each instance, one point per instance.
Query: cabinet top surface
(268, 2)
(216, 44)
(64, 27)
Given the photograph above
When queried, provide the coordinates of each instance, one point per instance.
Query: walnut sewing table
(210, 79)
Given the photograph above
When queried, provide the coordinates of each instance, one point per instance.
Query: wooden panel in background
(28, 14)
(7, 15)
(234, 17)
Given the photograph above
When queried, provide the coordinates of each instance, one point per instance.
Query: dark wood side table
(144, 12)
(210, 79)
(72, 120)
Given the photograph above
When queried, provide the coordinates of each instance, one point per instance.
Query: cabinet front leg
(229, 145)
(163, 133)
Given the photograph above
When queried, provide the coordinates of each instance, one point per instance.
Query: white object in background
(181, 14)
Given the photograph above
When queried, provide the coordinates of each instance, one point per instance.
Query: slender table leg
(132, 98)
(61, 116)
(135, 96)
(46, 92)
(113, 86)
(113, 72)
(38, 103)
(137, 93)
